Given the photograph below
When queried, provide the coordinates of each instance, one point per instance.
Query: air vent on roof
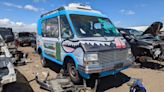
(79, 6)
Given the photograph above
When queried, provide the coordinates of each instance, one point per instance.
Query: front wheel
(43, 61)
(73, 73)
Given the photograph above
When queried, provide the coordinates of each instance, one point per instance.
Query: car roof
(78, 9)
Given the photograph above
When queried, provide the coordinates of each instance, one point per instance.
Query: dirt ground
(153, 79)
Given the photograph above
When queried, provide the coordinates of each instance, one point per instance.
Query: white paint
(142, 28)
(79, 55)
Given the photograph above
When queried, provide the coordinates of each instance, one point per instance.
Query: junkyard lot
(152, 79)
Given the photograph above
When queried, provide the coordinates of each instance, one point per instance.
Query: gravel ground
(153, 79)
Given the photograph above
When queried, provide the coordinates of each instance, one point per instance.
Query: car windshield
(91, 26)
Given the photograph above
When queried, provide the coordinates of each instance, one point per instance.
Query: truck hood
(95, 44)
(154, 28)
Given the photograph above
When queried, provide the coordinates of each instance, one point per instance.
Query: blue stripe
(39, 27)
(102, 74)
(73, 57)
(84, 13)
(84, 75)
(73, 12)
(113, 72)
(71, 25)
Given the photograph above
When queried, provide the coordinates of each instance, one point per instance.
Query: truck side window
(50, 28)
(65, 28)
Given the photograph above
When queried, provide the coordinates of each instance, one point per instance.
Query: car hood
(154, 28)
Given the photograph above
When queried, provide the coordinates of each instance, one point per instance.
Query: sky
(22, 15)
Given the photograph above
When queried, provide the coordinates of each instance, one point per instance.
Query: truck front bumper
(106, 69)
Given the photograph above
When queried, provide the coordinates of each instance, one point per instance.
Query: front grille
(107, 57)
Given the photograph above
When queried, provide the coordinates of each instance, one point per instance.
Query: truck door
(51, 38)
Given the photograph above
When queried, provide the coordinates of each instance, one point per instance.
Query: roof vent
(79, 6)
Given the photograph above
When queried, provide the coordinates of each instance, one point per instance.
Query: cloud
(18, 26)
(142, 5)
(127, 12)
(30, 7)
(26, 7)
(12, 5)
(37, 1)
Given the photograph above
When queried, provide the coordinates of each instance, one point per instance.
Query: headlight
(90, 57)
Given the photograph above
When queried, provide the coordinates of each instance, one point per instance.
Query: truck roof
(74, 8)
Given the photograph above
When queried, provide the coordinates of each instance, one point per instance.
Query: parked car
(7, 71)
(84, 41)
(148, 44)
(130, 31)
(10, 46)
(26, 38)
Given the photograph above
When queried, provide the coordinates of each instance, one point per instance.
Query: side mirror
(98, 26)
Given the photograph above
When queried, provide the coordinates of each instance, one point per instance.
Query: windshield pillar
(71, 25)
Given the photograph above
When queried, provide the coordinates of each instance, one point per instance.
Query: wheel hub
(73, 71)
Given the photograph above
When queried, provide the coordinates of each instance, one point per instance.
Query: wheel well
(39, 51)
(67, 59)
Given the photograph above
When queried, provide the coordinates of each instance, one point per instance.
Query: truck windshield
(91, 26)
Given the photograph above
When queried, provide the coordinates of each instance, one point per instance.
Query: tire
(43, 61)
(73, 73)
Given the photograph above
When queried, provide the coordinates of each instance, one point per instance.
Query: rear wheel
(43, 61)
(73, 73)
